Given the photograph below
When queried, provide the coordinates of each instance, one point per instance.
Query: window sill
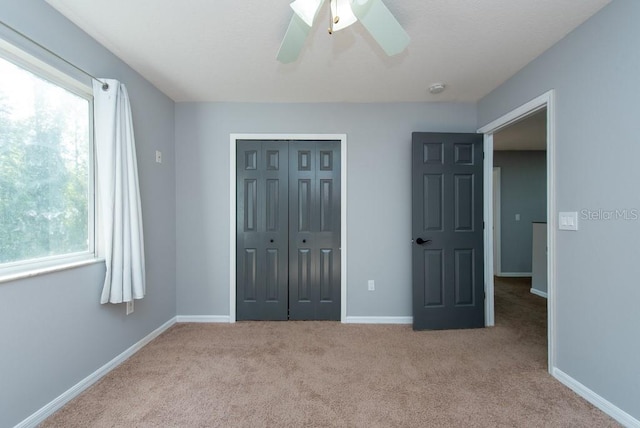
(49, 269)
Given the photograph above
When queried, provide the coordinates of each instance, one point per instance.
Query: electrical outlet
(371, 285)
(130, 307)
(158, 156)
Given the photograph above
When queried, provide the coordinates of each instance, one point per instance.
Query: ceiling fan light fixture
(342, 14)
(437, 88)
(374, 16)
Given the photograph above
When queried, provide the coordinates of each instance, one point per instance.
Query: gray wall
(379, 185)
(523, 190)
(594, 71)
(53, 331)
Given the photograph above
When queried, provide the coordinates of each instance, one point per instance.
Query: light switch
(568, 220)
(517, 217)
(158, 156)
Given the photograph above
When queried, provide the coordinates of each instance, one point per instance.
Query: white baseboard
(349, 320)
(204, 318)
(514, 274)
(539, 293)
(606, 406)
(38, 417)
(378, 320)
(42, 414)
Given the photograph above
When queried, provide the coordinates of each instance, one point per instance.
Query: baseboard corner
(601, 403)
(39, 416)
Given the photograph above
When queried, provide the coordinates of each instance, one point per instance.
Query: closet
(288, 230)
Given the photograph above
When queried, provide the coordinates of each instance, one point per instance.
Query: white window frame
(41, 265)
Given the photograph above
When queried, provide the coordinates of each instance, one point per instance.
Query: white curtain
(119, 232)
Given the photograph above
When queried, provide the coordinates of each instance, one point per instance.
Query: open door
(447, 227)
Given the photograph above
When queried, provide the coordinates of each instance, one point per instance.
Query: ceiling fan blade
(382, 25)
(293, 40)
(307, 10)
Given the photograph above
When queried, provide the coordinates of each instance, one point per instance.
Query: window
(46, 165)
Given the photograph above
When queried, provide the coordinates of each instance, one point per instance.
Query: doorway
(521, 287)
(544, 101)
(520, 201)
(288, 267)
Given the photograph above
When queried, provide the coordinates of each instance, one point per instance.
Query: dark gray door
(288, 230)
(262, 248)
(314, 230)
(447, 226)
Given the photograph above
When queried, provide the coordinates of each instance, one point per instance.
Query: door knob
(421, 241)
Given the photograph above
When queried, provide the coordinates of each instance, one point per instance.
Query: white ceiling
(529, 133)
(225, 50)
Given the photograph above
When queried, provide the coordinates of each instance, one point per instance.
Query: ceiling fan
(373, 14)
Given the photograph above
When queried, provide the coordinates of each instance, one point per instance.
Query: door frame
(497, 221)
(233, 209)
(546, 100)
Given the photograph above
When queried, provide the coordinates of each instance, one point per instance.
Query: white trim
(515, 274)
(552, 226)
(49, 269)
(546, 100)
(343, 210)
(343, 227)
(513, 116)
(606, 406)
(378, 320)
(46, 411)
(44, 68)
(539, 293)
(497, 223)
(489, 304)
(203, 318)
(232, 227)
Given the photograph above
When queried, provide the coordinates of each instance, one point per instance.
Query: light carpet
(327, 374)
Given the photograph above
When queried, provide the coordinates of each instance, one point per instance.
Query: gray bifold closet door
(288, 230)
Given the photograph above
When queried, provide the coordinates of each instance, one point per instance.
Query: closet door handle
(421, 241)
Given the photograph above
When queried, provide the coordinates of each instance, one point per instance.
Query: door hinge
(483, 225)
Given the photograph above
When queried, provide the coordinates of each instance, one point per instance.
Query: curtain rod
(105, 85)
